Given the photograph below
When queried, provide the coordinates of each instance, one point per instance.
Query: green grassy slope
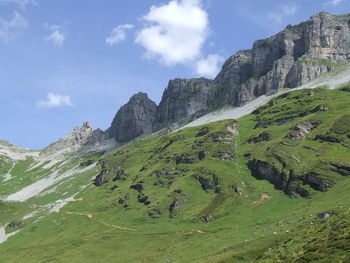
(209, 194)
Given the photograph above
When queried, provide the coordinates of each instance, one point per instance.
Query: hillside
(199, 194)
(251, 166)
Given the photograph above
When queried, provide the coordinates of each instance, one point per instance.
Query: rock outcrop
(288, 59)
(77, 137)
(134, 118)
(301, 130)
(83, 139)
(291, 58)
(183, 98)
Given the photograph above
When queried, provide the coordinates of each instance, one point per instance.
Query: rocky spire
(134, 118)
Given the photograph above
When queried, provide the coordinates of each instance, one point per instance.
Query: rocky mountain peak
(134, 118)
(79, 134)
(183, 98)
(288, 59)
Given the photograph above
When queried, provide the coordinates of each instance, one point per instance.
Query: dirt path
(100, 222)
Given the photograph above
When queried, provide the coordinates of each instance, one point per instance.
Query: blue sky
(63, 62)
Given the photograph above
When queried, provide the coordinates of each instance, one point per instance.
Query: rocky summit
(291, 58)
(134, 118)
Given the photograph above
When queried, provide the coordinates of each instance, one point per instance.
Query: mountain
(243, 168)
(291, 58)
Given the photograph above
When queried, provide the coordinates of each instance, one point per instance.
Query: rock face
(288, 59)
(183, 98)
(83, 139)
(134, 118)
(302, 129)
(74, 139)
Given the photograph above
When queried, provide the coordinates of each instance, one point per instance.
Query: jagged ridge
(291, 58)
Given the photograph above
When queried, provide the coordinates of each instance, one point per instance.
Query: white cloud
(283, 12)
(54, 100)
(21, 3)
(334, 2)
(57, 36)
(9, 28)
(209, 66)
(118, 34)
(174, 32)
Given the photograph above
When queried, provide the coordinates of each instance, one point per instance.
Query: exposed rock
(317, 182)
(262, 137)
(208, 183)
(221, 137)
(288, 59)
(120, 175)
(237, 189)
(183, 98)
(316, 109)
(144, 199)
(328, 138)
(74, 139)
(341, 169)
(202, 154)
(87, 163)
(134, 118)
(302, 129)
(288, 182)
(207, 218)
(155, 213)
(266, 171)
(325, 215)
(233, 129)
(101, 178)
(176, 206)
(184, 159)
(138, 187)
(98, 140)
(203, 131)
(226, 155)
(288, 143)
(83, 139)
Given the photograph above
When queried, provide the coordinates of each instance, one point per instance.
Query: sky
(63, 62)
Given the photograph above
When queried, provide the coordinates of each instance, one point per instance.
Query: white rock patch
(4, 236)
(39, 186)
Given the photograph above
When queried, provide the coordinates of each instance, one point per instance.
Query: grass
(242, 226)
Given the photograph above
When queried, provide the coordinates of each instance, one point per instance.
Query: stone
(288, 59)
(183, 98)
(226, 155)
(202, 155)
(233, 129)
(237, 189)
(134, 119)
(208, 183)
(101, 178)
(207, 218)
(138, 187)
(325, 215)
(184, 159)
(176, 206)
(301, 130)
(262, 137)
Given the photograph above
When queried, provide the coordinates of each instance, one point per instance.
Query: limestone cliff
(291, 58)
(134, 118)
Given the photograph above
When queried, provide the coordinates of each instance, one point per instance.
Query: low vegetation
(246, 190)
